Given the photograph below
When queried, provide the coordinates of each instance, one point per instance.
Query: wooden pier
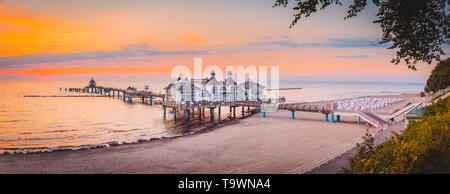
(151, 98)
(117, 92)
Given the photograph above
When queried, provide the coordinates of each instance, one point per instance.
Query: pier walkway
(147, 97)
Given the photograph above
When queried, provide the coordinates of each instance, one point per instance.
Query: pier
(189, 108)
(150, 98)
(123, 94)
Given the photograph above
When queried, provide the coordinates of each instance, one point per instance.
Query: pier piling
(164, 107)
(332, 117)
(219, 114)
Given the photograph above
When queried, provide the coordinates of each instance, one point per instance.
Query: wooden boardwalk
(147, 97)
(189, 105)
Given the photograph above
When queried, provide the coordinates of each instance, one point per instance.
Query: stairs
(372, 119)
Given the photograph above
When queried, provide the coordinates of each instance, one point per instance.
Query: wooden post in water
(164, 107)
(332, 117)
(219, 114)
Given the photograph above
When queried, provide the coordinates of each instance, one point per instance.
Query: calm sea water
(33, 124)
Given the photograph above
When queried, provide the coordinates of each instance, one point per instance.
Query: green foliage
(417, 29)
(423, 147)
(440, 77)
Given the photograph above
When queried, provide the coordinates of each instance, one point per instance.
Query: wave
(12, 121)
(60, 131)
(121, 131)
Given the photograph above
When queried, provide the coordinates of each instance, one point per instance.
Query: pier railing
(377, 122)
(192, 105)
(317, 163)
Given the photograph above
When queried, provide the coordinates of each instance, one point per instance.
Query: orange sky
(49, 38)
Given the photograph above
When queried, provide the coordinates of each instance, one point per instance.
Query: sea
(32, 124)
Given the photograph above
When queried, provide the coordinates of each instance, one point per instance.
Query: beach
(272, 144)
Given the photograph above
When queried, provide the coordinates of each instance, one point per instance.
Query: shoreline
(253, 144)
(197, 130)
(201, 129)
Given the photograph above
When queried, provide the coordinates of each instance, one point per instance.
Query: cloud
(138, 50)
(329, 43)
(352, 57)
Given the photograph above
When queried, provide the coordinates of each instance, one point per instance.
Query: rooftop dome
(92, 83)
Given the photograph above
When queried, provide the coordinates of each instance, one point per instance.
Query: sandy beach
(275, 144)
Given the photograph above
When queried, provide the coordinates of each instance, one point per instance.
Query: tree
(416, 28)
(440, 77)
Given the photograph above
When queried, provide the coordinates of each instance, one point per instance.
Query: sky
(142, 39)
